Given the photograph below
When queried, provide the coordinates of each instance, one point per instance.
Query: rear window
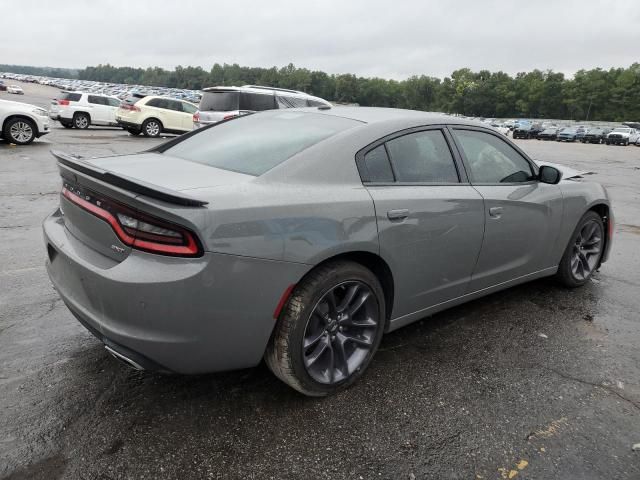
(133, 99)
(219, 101)
(72, 97)
(257, 102)
(254, 144)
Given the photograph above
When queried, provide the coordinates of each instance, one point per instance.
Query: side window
(95, 99)
(375, 166)
(159, 103)
(174, 105)
(257, 102)
(113, 102)
(289, 101)
(491, 159)
(188, 108)
(422, 157)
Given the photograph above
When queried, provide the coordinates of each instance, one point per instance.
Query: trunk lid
(150, 184)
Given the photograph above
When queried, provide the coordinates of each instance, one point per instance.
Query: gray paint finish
(263, 234)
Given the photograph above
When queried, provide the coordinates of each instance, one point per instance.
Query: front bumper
(188, 316)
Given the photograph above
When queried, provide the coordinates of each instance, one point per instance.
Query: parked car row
(618, 136)
(153, 115)
(105, 88)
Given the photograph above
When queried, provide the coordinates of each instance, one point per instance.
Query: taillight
(63, 102)
(128, 106)
(139, 231)
(196, 117)
(227, 117)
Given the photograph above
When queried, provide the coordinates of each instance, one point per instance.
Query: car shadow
(478, 357)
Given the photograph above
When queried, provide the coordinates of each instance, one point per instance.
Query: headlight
(40, 111)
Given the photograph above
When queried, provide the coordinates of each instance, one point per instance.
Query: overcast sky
(390, 39)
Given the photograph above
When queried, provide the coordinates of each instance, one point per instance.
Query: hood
(19, 105)
(171, 173)
(567, 172)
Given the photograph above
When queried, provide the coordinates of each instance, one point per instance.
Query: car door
(159, 108)
(430, 219)
(187, 116)
(522, 215)
(99, 111)
(112, 105)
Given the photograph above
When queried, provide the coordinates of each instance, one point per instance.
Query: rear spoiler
(126, 183)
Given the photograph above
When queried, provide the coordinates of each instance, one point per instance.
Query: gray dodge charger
(302, 236)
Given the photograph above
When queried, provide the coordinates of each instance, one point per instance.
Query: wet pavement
(535, 382)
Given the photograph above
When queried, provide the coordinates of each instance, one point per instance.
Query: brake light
(227, 117)
(128, 106)
(196, 117)
(63, 102)
(137, 230)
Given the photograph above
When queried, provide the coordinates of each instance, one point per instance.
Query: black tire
(607, 142)
(152, 127)
(133, 131)
(626, 143)
(285, 353)
(565, 272)
(81, 121)
(20, 131)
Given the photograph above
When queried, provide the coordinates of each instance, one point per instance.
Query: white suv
(222, 103)
(80, 109)
(21, 123)
(152, 115)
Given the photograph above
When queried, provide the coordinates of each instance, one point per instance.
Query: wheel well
(153, 118)
(83, 113)
(603, 210)
(24, 117)
(380, 269)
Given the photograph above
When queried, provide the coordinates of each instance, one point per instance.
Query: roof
(380, 115)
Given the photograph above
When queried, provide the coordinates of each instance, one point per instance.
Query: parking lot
(534, 382)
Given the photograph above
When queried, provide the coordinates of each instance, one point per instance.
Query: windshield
(624, 130)
(254, 144)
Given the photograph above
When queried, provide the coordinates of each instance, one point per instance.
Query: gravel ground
(533, 382)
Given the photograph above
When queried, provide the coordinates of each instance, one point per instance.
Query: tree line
(596, 94)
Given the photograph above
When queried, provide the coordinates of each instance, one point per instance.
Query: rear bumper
(126, 124)
(188, 316)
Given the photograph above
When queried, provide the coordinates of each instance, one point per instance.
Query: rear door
(523, 215)
(159, 108)
(187, 116)
(99, 109)
(112, 104)
(430, 219)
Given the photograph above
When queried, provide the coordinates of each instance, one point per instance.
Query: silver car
(302, 236)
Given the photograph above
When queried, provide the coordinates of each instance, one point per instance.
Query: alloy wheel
(340, 332)
(21, 132)
(82, 121)
(586, 250)
(153, 129)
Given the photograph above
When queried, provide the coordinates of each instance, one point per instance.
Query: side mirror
(548, 174)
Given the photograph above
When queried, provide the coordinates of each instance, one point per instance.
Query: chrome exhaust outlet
(122, 358)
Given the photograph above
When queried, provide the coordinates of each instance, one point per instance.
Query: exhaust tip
(123, 358)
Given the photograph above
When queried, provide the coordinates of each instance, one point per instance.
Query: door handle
(399, 214)
(495, 212)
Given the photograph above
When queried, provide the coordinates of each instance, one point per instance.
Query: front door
(523, 215)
